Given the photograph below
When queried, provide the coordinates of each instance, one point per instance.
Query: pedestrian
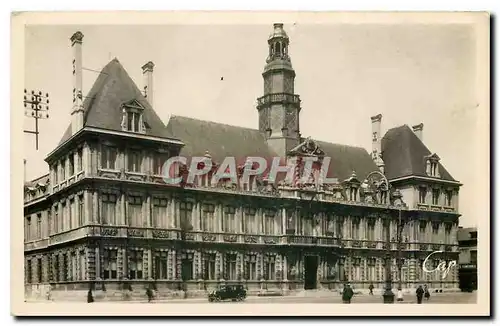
(149, 294)
(427, 294)
(90, 297)
(371, 288)
(420, 294)
(347, 294)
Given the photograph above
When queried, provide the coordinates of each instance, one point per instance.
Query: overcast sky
(345, 75)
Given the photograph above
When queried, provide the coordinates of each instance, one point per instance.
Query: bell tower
(279, 108)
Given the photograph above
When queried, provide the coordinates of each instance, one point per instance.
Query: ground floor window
(187, 266)
(231, 267)
(161, 265)
(110, 262)
(135, 265)
(209, 272)
(269, 267)
(251, 267)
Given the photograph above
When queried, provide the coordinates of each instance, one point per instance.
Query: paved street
(436, 298)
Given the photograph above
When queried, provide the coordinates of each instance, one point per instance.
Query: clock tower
(279, 107)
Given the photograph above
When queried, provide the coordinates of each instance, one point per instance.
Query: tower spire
(279, 107)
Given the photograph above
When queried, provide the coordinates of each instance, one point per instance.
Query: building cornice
(421, 178)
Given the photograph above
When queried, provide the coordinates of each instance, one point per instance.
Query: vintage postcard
(250, 163)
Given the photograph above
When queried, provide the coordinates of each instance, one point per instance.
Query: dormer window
(132, 119)
(432, 168)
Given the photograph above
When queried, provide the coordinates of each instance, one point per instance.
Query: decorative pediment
(307, 148)
(133, 104)
(433, 158)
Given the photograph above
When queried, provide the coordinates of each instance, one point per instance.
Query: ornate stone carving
(109, 232)
(250, 239)
(135, 233)
(209, 237)
(161, 234)
(269, 240)
(190, 236)
(356, 244)
(230, 238)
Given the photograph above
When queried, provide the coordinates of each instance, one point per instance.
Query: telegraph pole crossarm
(36, 106)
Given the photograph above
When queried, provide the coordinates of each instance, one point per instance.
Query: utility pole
(36, 107)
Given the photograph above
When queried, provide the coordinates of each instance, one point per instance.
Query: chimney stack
(77, 111)
(147, 72)
(377, 141)
(418, 130)
(24, 170)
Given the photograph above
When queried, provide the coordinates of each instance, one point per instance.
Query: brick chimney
(147, 72)
(418, 130)
(77, 111)
(377, 141)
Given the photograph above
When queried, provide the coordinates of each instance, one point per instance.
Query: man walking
(347, 294)
(371, 288)
(420, 294)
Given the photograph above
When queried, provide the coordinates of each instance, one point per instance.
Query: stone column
(123, 212)
(150, 262)
(95, 208)
(97, 262)
(285, 267)
(148, 212)
(124, 262)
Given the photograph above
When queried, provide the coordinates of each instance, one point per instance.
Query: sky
(346, 73)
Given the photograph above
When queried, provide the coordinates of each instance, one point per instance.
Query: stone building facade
(103, 217)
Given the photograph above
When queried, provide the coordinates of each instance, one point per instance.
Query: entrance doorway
(310, 271)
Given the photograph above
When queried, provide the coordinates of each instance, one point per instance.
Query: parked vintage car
(228, 292)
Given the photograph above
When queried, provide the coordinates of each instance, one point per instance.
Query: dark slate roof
(222, 140)
(103, 102)
(404, 154)
(344, 160)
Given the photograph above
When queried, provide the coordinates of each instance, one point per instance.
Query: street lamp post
(36, 106)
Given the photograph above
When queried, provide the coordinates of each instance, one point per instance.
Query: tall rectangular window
(355, 229)
(39, 226)
(29, 272)
(208, 218)
(186, 212)
(159, 213)
(231, 267)
(83, 266)
(422, 193)
(421, 235)
(209, 267)
(435, 196)
(28, 228)
(370, 228)
(449, 198)
(133, 121)
(134, 161)
(229, 222)
(81, 210)
(159, 160)
(250, 221)
(161, 265)
(187, 266)
(269, 267)
(269, 219)
(62, 170)
(108, 209)
(135, 211)
(39, 272)
(71, 213)
(56, 173)
(80, 160)
(110, 262)
(251, 267)
(56, 219)
(135, 265)
(108, 157)
(71, 165)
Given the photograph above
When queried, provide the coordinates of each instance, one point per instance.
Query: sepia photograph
(225, 163)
